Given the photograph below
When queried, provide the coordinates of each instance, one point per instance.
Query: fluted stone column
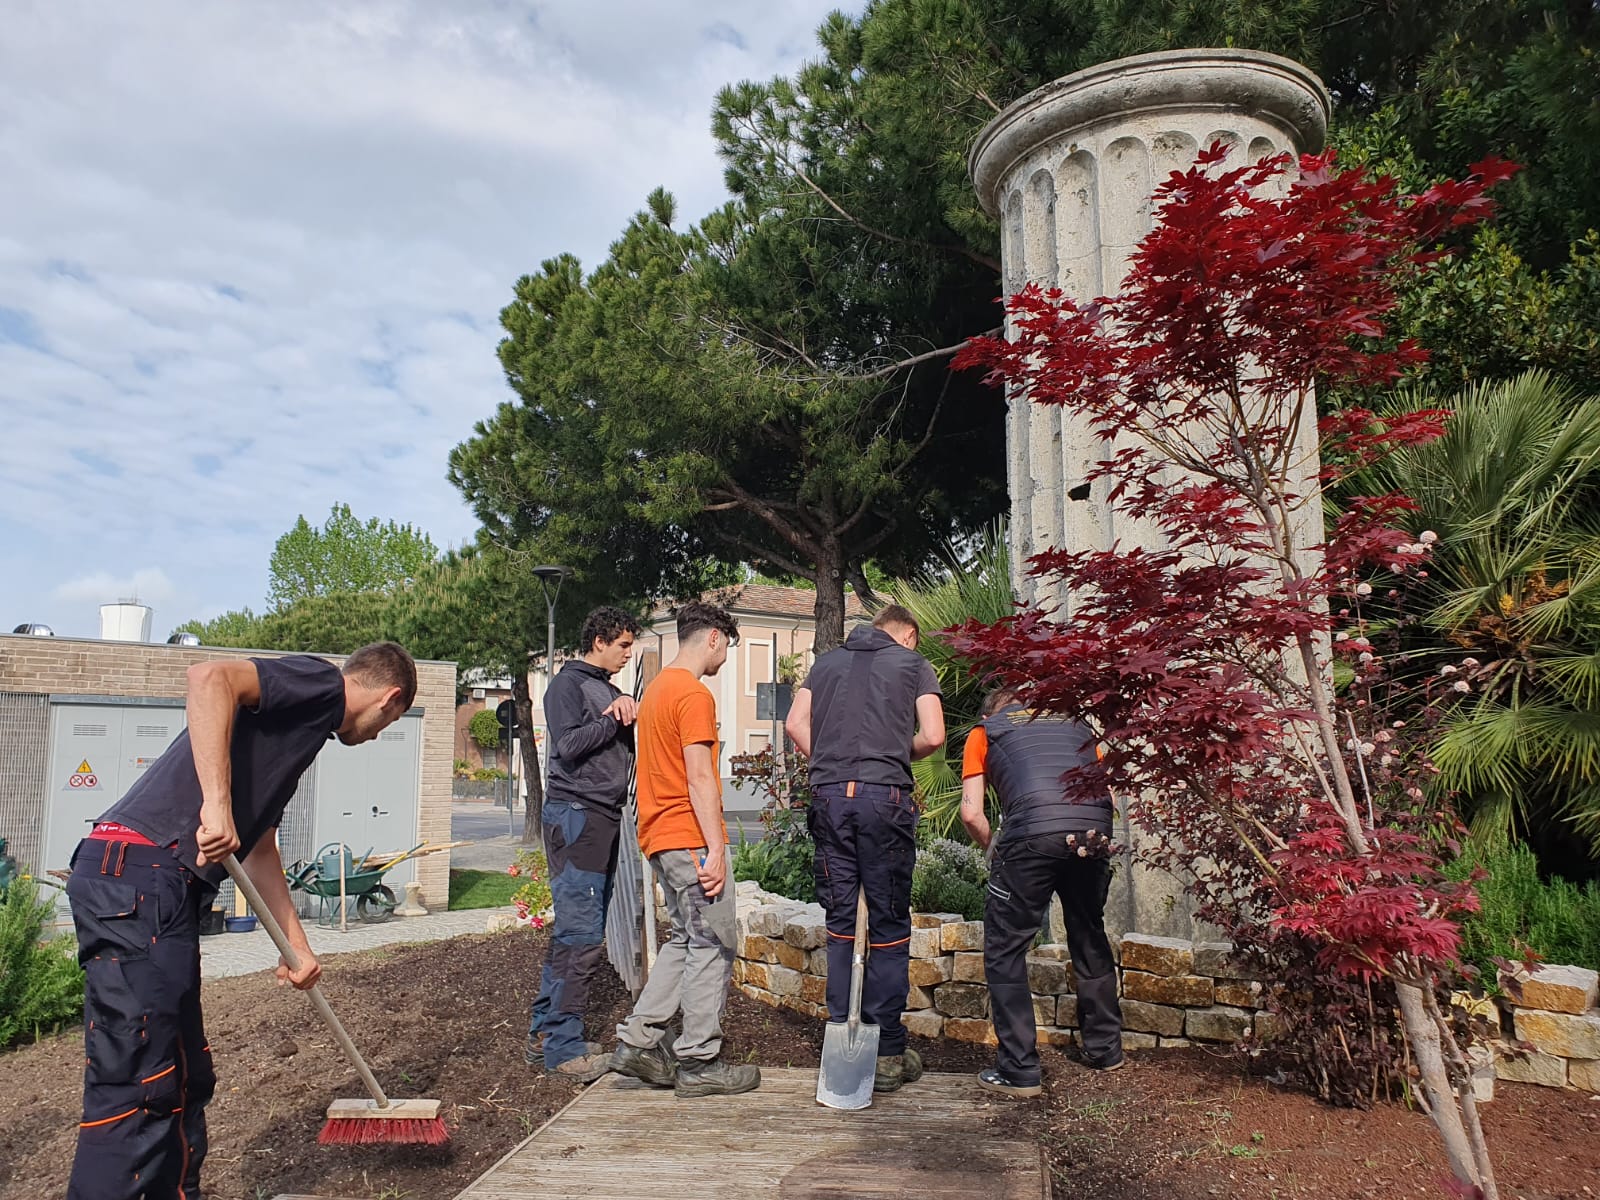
(1069, 171)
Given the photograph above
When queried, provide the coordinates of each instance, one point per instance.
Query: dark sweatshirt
(589, 751)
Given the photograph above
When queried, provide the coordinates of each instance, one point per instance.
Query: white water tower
(125, 621)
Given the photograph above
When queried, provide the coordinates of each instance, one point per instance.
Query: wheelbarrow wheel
(376, 905)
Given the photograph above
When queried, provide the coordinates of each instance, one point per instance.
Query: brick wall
(97, 668)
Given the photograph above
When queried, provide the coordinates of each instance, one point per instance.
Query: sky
(252, 256)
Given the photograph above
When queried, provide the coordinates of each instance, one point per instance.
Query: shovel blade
(848, 1065)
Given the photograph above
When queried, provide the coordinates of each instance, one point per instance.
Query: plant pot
(211, 921)
(245, 924)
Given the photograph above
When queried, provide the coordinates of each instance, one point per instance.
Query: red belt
(110, 831)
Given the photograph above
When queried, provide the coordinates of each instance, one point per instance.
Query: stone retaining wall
(1174, 992)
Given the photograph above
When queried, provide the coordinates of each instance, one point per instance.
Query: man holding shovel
(591, 746)
(152, 863)
(682, 833)
(866, 711)
(1052, 842)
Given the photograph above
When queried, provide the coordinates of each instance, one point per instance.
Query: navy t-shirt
(302, 704)
(864, 710)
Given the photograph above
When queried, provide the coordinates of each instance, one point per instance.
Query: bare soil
(448, 1020)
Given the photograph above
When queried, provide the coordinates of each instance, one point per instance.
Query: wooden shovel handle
(318, 1000)
(858, 962)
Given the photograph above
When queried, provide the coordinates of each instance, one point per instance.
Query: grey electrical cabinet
(367, 795)
(98, 747)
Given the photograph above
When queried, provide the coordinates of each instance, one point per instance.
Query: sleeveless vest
(1027, 757)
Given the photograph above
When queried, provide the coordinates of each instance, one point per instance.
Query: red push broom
(379, 1120)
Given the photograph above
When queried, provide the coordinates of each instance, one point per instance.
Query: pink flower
(1363, 589)
(1461, 685)
(1427, 537)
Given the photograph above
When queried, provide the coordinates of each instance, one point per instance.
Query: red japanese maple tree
(1294, 809)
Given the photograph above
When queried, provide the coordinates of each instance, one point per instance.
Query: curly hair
(606, 624)
(698, 616)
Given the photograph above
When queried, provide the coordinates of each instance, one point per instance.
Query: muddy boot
(586, 1068)
(716, 1078)
(655, 1066)
(896, 1069)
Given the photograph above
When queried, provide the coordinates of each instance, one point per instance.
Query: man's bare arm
(973, 817)
(798, 724)
(265, 869)
(930, 726)
(217, 689)
(705, 799)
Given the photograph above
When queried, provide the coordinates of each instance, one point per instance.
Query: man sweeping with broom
(152, 863)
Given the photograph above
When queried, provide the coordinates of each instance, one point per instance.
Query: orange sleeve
(975, 756)
(697, 717)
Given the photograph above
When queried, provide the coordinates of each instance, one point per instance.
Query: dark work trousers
(580, 845)
(1025, 873)
(867, 839)
(148, 1076)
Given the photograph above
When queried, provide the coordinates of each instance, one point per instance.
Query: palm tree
(1513, 491)
(974, 584)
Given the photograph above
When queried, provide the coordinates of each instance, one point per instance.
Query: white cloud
(147, 585)
(254, 255)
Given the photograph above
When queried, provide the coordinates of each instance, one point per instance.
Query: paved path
(494, 845)
(242, 953)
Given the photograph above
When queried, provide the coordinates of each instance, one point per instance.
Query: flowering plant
(1207, 658)
(532, 900)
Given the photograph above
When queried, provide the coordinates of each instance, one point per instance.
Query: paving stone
(814, 988)
(929, 972)
(1216, 1024)
(1173, 1043)
(968, 967)
(962, 935)
(967, 1029)
(807, 929)
(919, 997)
(1157, 955)
(790, 956)
(1190, 991)
(1566, 1035)
(1044, 1010)
(1544, 1069)
(1067, 1011)
(1152, 1018)
(962, 999)
(229, 954)
(923, 1023)
(1561, 989)
(1053, 1035)
(925, 943)
(1241, 993)
(1047, 976)
(1139, 1041)
(817, 963)
(1584, 1073)
(755, 973)
(1212, 958)
(782, 981)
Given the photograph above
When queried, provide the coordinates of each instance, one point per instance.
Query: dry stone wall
(1174, 992)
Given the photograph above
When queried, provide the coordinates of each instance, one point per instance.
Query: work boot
(991, 1080)
(655, 1065)
(533, 1050)
(716, 1078)
(586, 1068)
(896, 1069)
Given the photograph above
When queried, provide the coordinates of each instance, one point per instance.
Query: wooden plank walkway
(621, 1140)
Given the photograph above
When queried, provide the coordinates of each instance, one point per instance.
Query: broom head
(401, 1122)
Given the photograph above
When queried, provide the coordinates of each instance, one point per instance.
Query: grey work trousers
(694, 967)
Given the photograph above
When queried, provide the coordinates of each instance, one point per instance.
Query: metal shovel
(850, 1047)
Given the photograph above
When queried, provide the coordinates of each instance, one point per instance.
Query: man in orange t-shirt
(683, 837)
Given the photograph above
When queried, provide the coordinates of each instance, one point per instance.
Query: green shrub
(484, 728)
(782, 862)
(949, 877)
(1520, 911)
(488, 774)
(41, 984)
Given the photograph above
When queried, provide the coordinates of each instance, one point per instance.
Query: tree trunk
(829, 607)
(532, 821)
(1469, 1163)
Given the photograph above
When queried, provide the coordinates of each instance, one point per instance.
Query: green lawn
(481, 889)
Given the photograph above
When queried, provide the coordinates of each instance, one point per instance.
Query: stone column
(1068, 170)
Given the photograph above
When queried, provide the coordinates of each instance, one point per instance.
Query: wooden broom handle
(318, 1000)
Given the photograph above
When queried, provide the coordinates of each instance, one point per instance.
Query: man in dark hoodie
(866, 711)
(590, 747)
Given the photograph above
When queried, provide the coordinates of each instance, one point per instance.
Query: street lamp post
(550, 577)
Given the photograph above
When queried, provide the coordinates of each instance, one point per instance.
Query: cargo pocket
(105, 909)
(161, 1091)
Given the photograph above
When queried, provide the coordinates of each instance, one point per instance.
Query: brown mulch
(448, 1020)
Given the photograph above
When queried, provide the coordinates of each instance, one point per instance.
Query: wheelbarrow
(331, 874)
